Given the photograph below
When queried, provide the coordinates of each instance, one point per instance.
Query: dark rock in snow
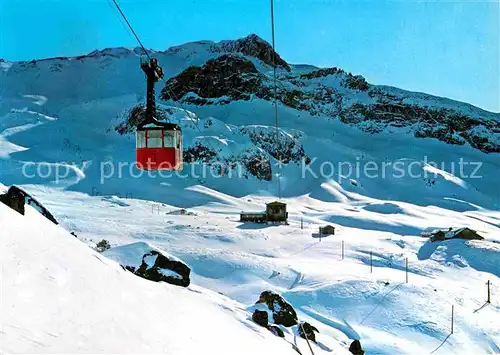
(283, 312)
(102, 246)
(356, 348)
(198, 153)
(276, 331)
(257, 164)
(321, 73)
(283, 147)
(307, 330)
(151, 263)
(16, 198)
(356, 82)
(165, 269)
(261, 318)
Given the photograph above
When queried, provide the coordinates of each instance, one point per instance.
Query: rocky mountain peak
(229, 75)
(255, 46)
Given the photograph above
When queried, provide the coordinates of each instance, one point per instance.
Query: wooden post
(305, 336)
(489, 295)
(452, 316)
(342, 250)
(301, 223)
(406, 270)
(371, 262)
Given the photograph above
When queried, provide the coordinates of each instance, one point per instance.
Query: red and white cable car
(158, 146)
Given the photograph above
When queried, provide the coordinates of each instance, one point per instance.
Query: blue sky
(441, 47)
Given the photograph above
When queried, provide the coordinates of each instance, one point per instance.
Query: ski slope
(58, 295)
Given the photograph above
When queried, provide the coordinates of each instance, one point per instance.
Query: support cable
(278, 149)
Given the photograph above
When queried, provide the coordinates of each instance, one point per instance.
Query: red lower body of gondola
(158, 159)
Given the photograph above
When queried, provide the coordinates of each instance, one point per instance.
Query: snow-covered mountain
(66, 137)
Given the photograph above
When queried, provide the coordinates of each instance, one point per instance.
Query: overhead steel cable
(131, 29)
(277, 145)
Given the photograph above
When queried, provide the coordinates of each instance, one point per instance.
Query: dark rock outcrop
(281, 147)
(355, 348)
(102, 246)
(164, 269)
(444, 124)
(321, 73)
(356, 82)
(151, 263)
(198, 153)
(256, 47)
(229, 75)
(306, 330)
(258, 165)
(16, 198)
(262, 319)
(283, 312)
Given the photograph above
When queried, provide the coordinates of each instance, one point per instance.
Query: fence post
(406, 270)
(307, 340)
(489, 294)
(371, 261)
(452, 316)
(301, 223)
(342, 250)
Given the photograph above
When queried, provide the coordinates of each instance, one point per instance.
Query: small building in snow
(460, 233)
(257, 217)
(276, 212)
(327, 230)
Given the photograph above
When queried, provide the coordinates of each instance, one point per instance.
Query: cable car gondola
(158, 144)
